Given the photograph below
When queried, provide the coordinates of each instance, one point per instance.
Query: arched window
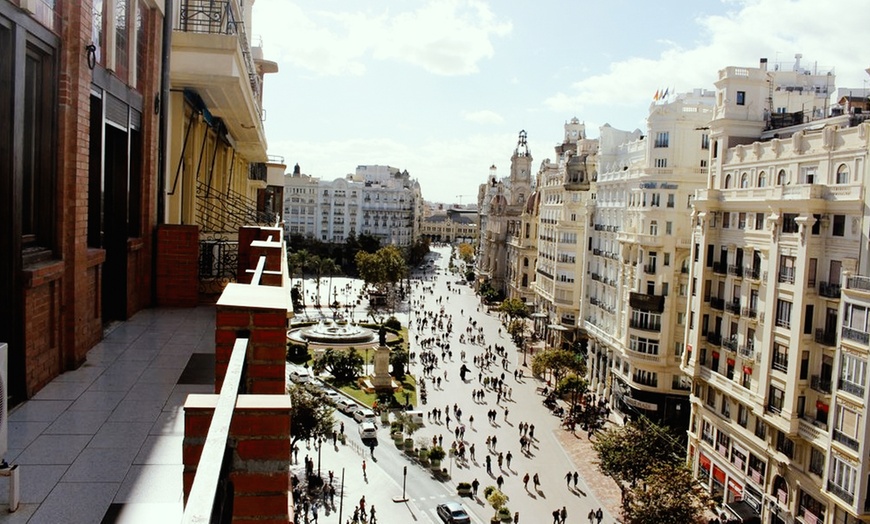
(525, 261)
(728, 181)
(762, 179)
(843, 174)
(780, 177)
(744, 180)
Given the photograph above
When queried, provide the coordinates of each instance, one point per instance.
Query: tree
(497, 500)
(312, 414)
(418, 251)
(574, 385)
(632, 452)
(466, 252)
(409, 425)
(301, 260)
(558, 362)
(669, 495)
(399, 359)
(324, 266)
(514, 308)
(343, 364)
(517, 329)
(382, 269)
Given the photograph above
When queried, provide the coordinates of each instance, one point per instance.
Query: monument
(381, 379)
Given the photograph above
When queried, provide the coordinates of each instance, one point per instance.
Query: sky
(442, 88)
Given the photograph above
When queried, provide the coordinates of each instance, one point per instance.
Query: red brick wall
(177, 271)
(42, 305)
(267, 346)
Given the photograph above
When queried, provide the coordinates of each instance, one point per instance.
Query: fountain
(327, 332)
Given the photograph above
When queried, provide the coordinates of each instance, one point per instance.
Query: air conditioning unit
(4, 393)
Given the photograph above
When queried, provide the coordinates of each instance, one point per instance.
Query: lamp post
(319, 445)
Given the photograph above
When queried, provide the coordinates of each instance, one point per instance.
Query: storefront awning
(743, 511)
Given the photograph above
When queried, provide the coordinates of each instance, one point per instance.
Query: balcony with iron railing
(733, 307)
(753, 273)
(841, 493)
(212, 55)
(749, 312)
(720, 268)
(747, 351)
(829, 290)
(858, 282)
(855, 335)
(786, 275)
(821, 384)
(730, 343)
(714, 338)
(846, 440)
(735, 270)
(850, 387)
(826, 337)
(717, 303)
(645, 324)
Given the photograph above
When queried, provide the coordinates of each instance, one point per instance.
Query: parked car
(364, 415)
(453, 513)
(368, 430)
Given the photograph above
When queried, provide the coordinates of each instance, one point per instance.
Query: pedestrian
(373, 519)
(508, 457)
(499, 481)
(568, 479)
(591, 515)
(516, 517)
(536, 481)
(576, 478)
(526, 481)
(599, 515)
(474, 485)
(556, 516)
(364, 467)
(563, 515)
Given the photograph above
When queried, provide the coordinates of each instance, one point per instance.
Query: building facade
(78, 156)
(635, 312)
(776, 343)
(380, 201)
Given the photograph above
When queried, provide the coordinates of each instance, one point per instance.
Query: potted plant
(436, 455)
(423, 454)
(504, 514)
(497, 500)
(463, 489)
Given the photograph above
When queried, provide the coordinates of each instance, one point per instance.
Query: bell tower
(521, 162)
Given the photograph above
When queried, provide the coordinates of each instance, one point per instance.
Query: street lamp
(319, 445)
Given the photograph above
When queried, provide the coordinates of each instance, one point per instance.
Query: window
(781, 177)
(839, 226)
(725, 409)
(705, 141)
(842, 174)
(711, 397)
(783, 313)
(780, 357)
(726, 219)
(784, 444)
(789, 223)
(653, 228)
(775, 399)
(842, 474)
(762, 179)
(817, 461)
(741, 221)
(669, 228)
(853, 374)
(786, 269)
(667, 256)
(847, 421)
(742, 415)
(662, 139)
(741, 98)
(661, 162)
(670, 200)
(728, 181)
(759, 221)
(744, 181)
(817, 225)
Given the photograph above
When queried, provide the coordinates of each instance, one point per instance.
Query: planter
(436, 464)
(463, 491)
(409, 443)
(385, 417)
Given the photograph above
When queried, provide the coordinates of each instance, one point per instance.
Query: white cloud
(483, 117)
(775, 29)
(444, 37)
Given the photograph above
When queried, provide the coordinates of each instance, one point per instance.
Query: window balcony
(746, 351)
(753, 273)
(855, 335)
(829, 290)
(720, 268)
(717, 303)
(714, 338)
(825, 337)
(749, 312)
(647, 302)
(730, 343)
(733, 307)
(848, 441)
(735, 270)
(786, 275)
(646, 325)
(649, 269)
(212, 56)
(851, 388)
(844, 495)
(860, 283)
(821, 384)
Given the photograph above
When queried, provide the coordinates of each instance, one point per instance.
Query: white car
(364, 415)
(346, 405)
(368, 430)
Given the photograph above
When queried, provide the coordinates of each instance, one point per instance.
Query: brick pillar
(260, 438)
(253, 243)
(245, 311)
(177, 269)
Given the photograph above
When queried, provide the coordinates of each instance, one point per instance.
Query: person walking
(563, 515)
(576, 478)
(556, 516)
(516, 517)
(373, 519)
(508, 458)
(599, 515)
(536, 481)
(591, 515)
(474, 485)
(500, 482)
(526, 482)
(568, 477)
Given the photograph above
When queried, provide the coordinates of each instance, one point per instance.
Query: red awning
(747, 370)
(821, 406)
(730, 361)
(718, 475)
(735, 488)
(704, 461)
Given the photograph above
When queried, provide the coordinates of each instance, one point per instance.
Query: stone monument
(381, 379)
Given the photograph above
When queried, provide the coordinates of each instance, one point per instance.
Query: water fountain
(331, 332)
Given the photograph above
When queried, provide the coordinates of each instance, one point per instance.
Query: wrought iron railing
(225, 211)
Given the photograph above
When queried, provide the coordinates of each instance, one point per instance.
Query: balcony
(786, 275)
(841, 493)
(753, 273)
(829, 290)
(714, 338)
(735, 270)
(649, 269)
(717, 303)
(859, 283)
(730, 343)
(821, 384)
(646, 325)
(645, 302)
(851, 388)
(733, 307)
(846, 440)
(720, 268)
(749, 312)
(212, 56)
(855, 335)
(747, 352)
(826, 337)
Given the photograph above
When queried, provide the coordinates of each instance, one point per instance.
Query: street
(545, 456)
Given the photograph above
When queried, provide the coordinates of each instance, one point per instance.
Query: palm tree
(301, 260)
(331, 269)
(323, 266)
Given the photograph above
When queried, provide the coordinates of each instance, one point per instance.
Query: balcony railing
(220, 17)
(844, 495)
(717, 303)
(730, 343)
(851, 388)
(858, 282)
(720, 268)
(842, 438)
(647, 325)
(649, 269)
(826, 337)
(746, 351)
(829, 290)
(752, 272)
(733, 307)
(786, 275)
(749, 312)
(735, 270)
(855, 335)
(820, 384)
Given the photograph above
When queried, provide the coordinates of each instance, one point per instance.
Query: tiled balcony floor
(102, 444)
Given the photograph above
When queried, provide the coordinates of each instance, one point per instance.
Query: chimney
(763, 64)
